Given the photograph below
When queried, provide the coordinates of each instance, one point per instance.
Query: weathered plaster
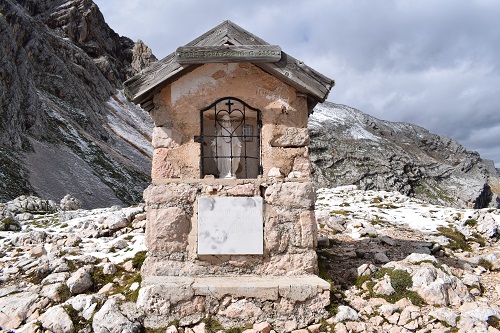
(177, 110)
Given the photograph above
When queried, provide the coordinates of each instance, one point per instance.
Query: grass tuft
(138, 259)
(212, 325)
(457, 239)
(494, 322)
(486, 264)
(471, 222)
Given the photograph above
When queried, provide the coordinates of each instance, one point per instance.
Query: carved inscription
(230, 225)
(227, 53)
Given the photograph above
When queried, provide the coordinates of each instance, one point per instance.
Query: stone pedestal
(234, 300)
(277, 284)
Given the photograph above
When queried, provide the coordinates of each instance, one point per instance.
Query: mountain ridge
(66, 127)
(352, 147)
(61, 81)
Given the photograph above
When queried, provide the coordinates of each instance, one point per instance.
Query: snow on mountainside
(351, 147)
(65, 126)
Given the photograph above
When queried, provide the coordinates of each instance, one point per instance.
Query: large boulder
(438, 287)
(81, 280)
(69, 202)
(110, 319)
(15, 308)
(57, 320)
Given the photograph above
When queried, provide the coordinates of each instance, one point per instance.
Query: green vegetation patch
(340, 212)
(64, 293)
(385, 206)
(138, 259)
(156, 330)
(433, 263)
(401, 281)
(432, 193)
(486, 264)
(238, 329)
(234, 330)
(494, 322)
(132, 295)
(457, 239)
(471, 222)
(478, 239)
(79, 323)
(174, 322)
(100, 279)
(212, 325)
(9, 224)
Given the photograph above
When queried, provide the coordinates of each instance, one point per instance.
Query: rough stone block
(161, 166)
(171, 194)
(167, 229)
(158, 266)
(290, 264)
(308, 229)
(275, 240)
(164, 137)
(291, 194)
(298, 293)
(246, 190)
(290, 137)
(303, 165)
(263, 327)
(242, 309)
(240, 286)
(157, 294)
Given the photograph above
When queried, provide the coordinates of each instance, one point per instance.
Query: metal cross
(229, 103)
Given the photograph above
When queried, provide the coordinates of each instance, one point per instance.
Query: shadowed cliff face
(351, 147)
(62, 68)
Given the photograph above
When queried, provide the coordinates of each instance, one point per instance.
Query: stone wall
(290, 233)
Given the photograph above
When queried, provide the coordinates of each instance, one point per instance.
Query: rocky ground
(395, 264)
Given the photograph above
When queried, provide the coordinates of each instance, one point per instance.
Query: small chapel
(231, 231)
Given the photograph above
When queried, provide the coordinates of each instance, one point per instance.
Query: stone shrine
(231, 231)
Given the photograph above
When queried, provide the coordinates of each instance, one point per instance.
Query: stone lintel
(296, 288)
(225, 182)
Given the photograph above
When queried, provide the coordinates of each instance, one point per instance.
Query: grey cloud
(432, 63)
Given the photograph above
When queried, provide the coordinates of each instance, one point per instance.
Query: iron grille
(230, 139)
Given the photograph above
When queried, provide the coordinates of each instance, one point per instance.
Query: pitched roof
(142, 87)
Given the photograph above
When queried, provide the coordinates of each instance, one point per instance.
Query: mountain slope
(65, 127)
(351, 147)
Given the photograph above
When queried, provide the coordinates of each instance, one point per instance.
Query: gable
(142, 87)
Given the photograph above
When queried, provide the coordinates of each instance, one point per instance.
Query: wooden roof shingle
(142, 87)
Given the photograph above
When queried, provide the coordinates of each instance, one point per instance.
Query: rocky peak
(83, 23)
(142, 56)
(61, 69)
(351, 147)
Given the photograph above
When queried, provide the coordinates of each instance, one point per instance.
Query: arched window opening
(230, 139)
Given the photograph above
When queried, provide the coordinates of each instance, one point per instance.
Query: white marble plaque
(230, 225)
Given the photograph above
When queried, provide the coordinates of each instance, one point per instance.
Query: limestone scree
(231, 231)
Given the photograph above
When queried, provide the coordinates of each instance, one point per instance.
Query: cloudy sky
(434, 63)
